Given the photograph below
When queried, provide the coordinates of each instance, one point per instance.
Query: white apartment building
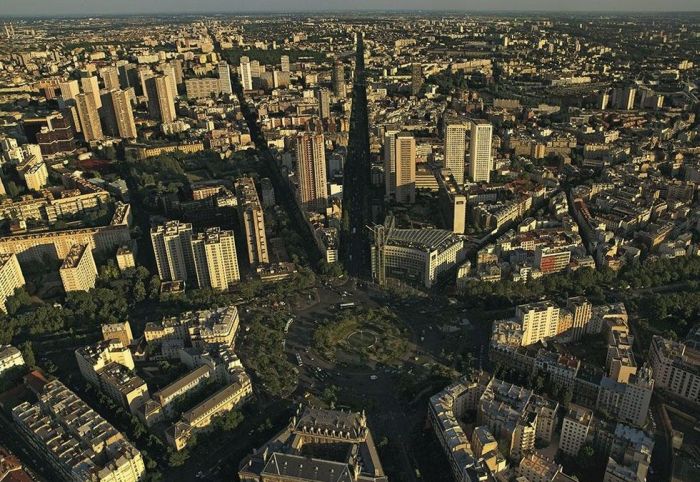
(11, 277)
(574, 430)
(78, 271)
(539, 321)
(480, 157)
(675, 367)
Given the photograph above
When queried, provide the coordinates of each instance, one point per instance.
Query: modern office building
(252, 217)
(311, 172)
(79, 443)
(78, 271)
(89, 117)
(301, 451)
(118, 116)
(455, 148)
(161, 99)
(480, 157)
(172, 247)
(551, 260)
(414, 256)
(215, 259)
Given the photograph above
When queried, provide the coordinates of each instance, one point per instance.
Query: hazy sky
(90, 7)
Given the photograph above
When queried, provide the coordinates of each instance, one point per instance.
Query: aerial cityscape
(349, 246)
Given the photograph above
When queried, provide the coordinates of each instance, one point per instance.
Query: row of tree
(593, 283)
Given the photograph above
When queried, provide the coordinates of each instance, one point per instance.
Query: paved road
(390, 416)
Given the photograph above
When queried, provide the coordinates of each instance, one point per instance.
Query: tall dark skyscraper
(357, 194)
(416, 78)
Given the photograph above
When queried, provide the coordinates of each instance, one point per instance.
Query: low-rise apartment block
(189, 383)
(78, 442)
(200, 417)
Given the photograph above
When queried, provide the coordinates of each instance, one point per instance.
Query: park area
(362, 336)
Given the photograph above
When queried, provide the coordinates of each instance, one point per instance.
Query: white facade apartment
(246, 74)
(311, 171)
(455, 149)
(675, 367)
(480, 159)
(390, 163)
(574, 430)
(11, 277)
(539, 321)
(224, 78)
(172, 248)
(253, 220)
(215, 259)
(123, 114)
(405, 168)
(78, 271)
(91, 87)
(89, 117)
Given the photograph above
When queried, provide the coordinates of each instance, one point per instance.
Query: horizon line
(248, 13)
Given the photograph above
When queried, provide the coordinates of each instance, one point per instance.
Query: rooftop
(74, 256)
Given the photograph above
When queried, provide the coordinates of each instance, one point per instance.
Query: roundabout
(362, 339)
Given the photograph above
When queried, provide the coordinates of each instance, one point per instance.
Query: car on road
(373, 377)
(299, 361)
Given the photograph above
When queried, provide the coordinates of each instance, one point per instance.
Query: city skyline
(78, 8)
(360, 246)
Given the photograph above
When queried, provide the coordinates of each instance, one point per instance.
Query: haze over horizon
(116, 7)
